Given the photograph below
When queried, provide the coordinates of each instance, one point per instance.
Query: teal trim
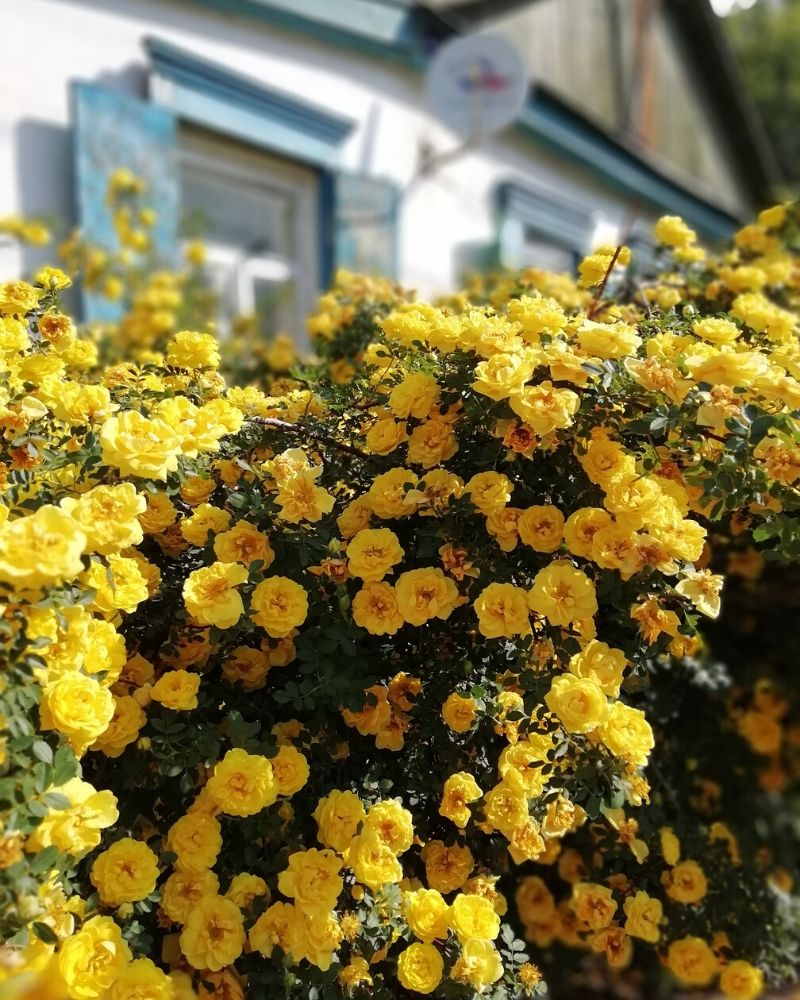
(111, 129)
(326, 206)
(371, 27)
(551, 125)
(209, 95)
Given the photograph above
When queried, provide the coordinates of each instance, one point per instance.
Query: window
(257, 215)
(537, 229)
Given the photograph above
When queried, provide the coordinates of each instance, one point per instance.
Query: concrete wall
(44, 44)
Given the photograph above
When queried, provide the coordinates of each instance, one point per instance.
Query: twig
(595, 305)
(306, 431)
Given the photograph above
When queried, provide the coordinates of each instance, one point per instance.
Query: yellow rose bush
(401, 680)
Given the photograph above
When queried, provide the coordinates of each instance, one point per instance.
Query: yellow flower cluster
(352, 684)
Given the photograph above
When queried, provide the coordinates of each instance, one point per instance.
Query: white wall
(44, 44)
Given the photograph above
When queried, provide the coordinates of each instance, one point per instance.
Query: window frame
(217, 157)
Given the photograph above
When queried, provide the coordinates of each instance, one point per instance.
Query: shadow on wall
(44, 168)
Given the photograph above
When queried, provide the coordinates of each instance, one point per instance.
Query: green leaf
(44, 932)
(42, 751)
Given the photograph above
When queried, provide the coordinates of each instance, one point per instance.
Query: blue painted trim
(380, 28)
(326, 207)
(552, 126)
(214, 97)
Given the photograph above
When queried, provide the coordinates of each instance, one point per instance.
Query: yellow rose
(599, 662)
(535, 903)
(138, 446)
(502, 610)
(627, 733)
(242, 783)
(125, 873)
(593, 905)
(579, 703)
(318, 938)
(423, 594)
(375, 715)
(617, 547)
(506, 805)
(354, 517)
(673, 231)
(562, 594)
(245, 544)
(126, 722)
(741, 981)
(300, 499)
(474, 917)
(78, 707)
(392, 823)
(373, 552)
(76, 829)
(107, 515)
(279, 605)
(692, 961)
(373, 861)
(502, 375)
(375, 609)
(206, 519)
(290, 770)
(489, 491)
(415, 396)
(385, 435)
(607, 340)
(18, 298)
(544, 408)
(355, 974)
(387, 494)
(159, 514)
(338, 816)
(196, 490)
(312, 879)
(432, 442)
(41, 549)
(119, 585)
(459, 712)
(278, 925)
(188, 349)
(427, 914)
(459, 790)
(141, 978)
(541, 527)
(213, 935)
(177, 689)
(686, 882)
(447, 867)
(210, 594)
(643, 914)
(478, 965)
(197, 840)
(420, 968)
(93, 959)
(605, 461)
(184, 889)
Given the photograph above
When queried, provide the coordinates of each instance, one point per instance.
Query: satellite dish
(476, 84)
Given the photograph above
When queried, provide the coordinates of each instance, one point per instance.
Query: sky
(724, 7)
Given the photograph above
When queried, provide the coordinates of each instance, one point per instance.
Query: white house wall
(45, 44)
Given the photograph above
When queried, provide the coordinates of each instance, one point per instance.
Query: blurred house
(298, 133)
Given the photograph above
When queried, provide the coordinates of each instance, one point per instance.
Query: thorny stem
(305, 431)
(594, 307)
